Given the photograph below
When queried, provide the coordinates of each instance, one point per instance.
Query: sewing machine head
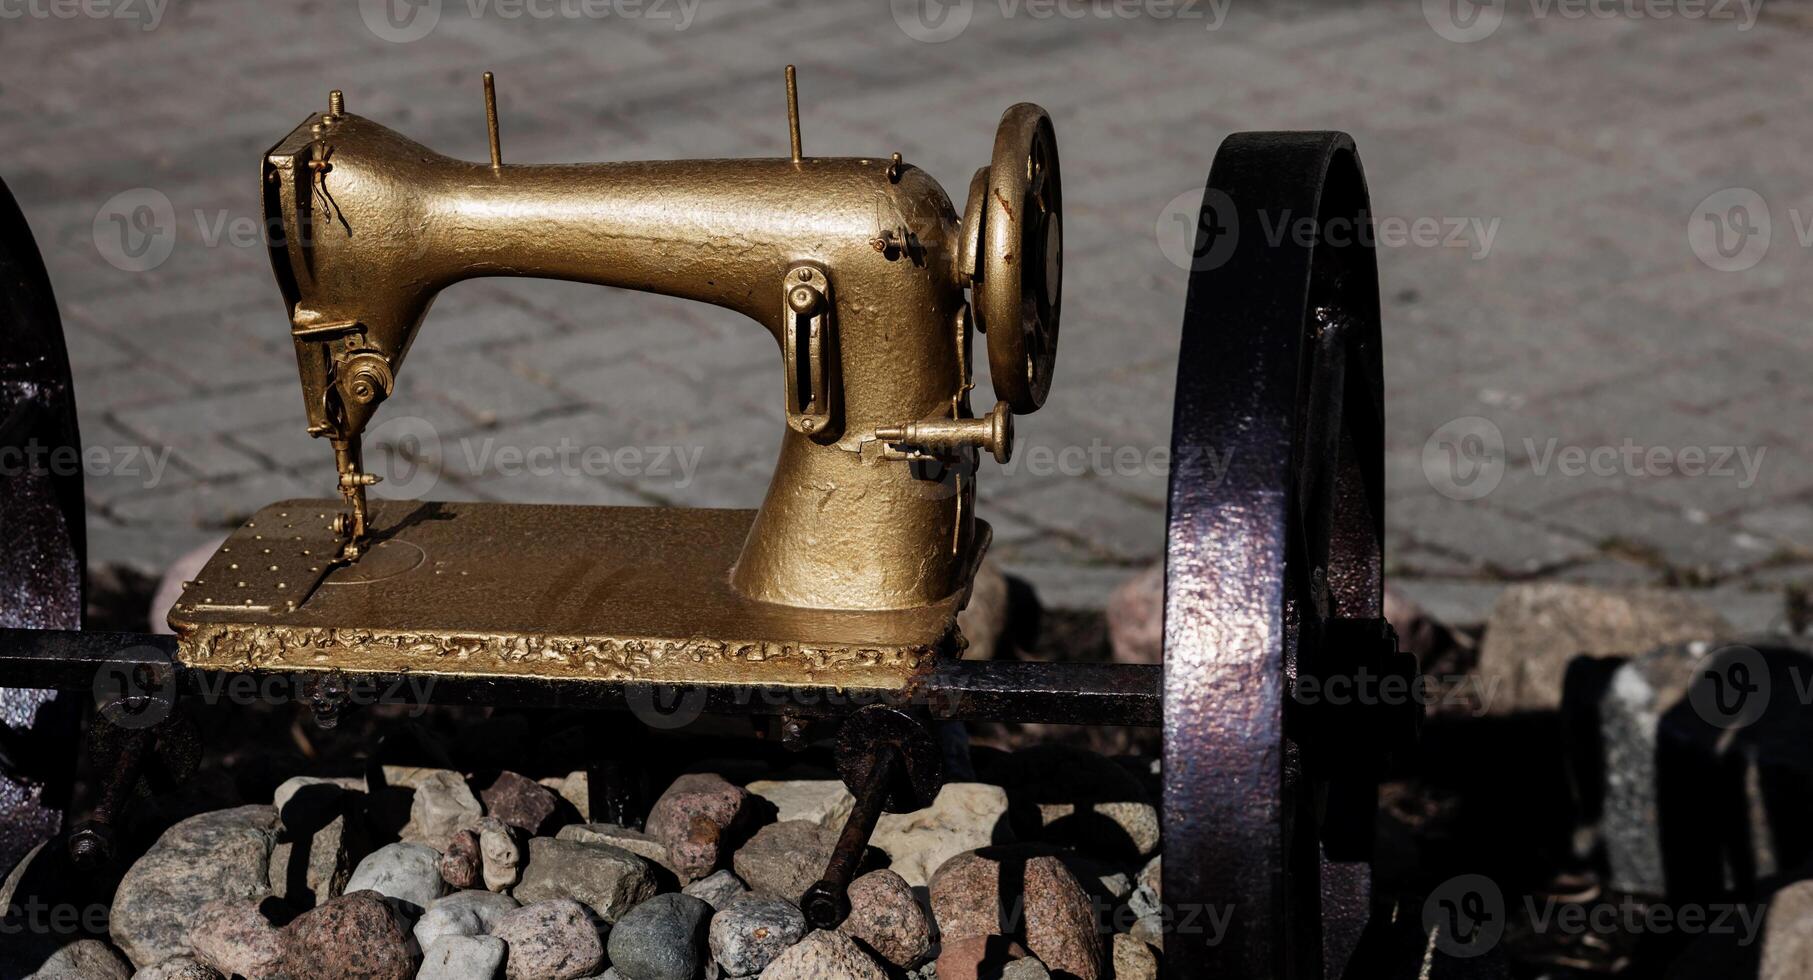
(861, 270)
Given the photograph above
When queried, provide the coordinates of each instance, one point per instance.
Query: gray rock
(748, 935)
(209, 857)
(462, 958)
(554, 940)
(502, 853)
(634, 841)
(1788, 935)
(1535, 630)
(662, 939)
(179, 968)
(463, 913)
(443, 806)
(409, 874)
(821, 801)
(822, 955)
(784, 859)
(718, 889)
(83, 959)
(608, 880)
(235, 938)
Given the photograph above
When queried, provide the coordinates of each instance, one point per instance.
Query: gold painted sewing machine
(853, 569)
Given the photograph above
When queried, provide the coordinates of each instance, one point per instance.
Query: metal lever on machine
(890, 763)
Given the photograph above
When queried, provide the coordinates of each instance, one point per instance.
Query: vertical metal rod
(497, 150)
(827, 902)
(336, 103)
(793, 111)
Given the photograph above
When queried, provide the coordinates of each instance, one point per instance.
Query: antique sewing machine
(853, 569)
(848, 579)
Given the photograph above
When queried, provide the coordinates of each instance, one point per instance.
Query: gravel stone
(553, 940)
(718, 889)
(443, 806)
(410, 874)
(608, 880)
(784, 859)
(521, 802)
(502, 853)
(662, 939)
(463, 913)
(692, 818)
(463, 958)
(359, 934)
(822, 955)
(461, 865)
(235, 938)
(886, 916)
(748, 935)
(213, 856)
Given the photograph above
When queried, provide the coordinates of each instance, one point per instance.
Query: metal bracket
(809, 353)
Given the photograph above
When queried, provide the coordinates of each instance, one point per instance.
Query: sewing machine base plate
(614, 594)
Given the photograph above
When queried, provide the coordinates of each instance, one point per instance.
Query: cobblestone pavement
(1597, 365)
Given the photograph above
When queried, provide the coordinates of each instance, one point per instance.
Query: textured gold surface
(852, 265)
(603, 593)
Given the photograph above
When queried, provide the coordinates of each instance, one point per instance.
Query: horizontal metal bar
(958, 690)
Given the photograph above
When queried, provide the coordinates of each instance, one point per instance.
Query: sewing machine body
(866, 544)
